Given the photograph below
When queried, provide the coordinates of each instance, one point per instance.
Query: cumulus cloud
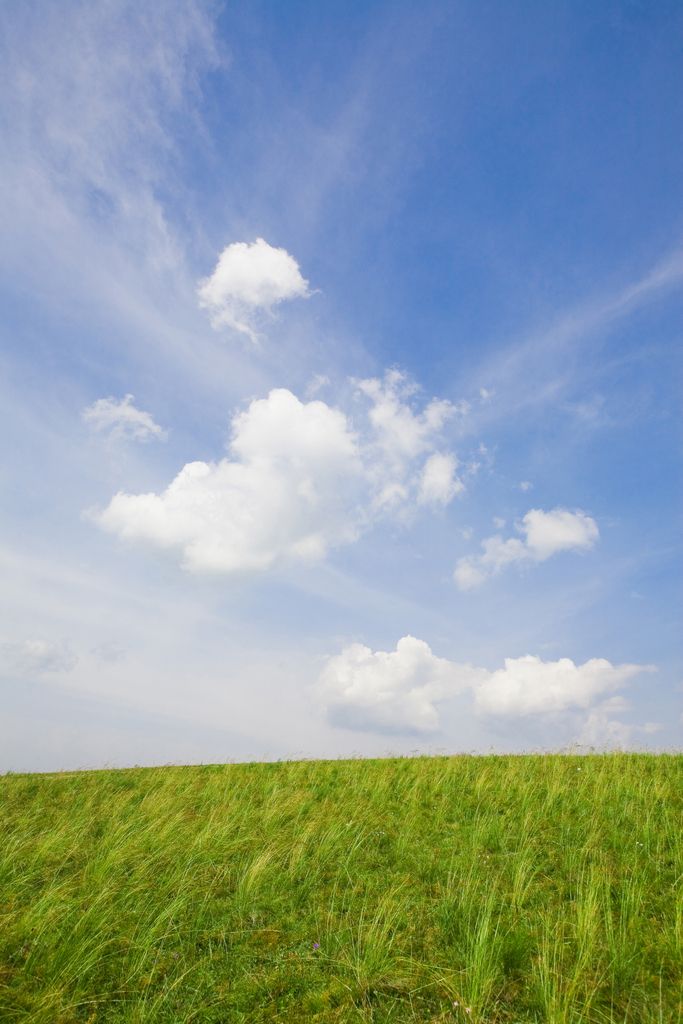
(122, 419)
(546, 534)
(559, 530)
(401, 432)
(249, 278)
(398, 691)
(276, 499)
(299, 480)
(401, 435)
(388, 692)
(30, 656)
(529, 686)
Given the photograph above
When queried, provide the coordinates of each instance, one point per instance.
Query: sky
(340, 379)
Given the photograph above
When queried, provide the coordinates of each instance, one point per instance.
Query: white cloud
(299, 481)
(529, 686)
(394, 692)
(525, 485)
(388, 692)
(318, 381)
(437, 480)
(546, 534)
(400, 435)
(559, 530)
(93, 92)
(603, 731)
(277, 499)
(30, 656)
(122, 419)
(248, 278)
(467, 575)
(472, 570)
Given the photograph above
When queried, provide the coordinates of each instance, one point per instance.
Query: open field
(526, 888)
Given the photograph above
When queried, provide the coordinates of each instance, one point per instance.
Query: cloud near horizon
(249, 278)
(388, 691)
(546, 534)
(300, 480)
(397, 692)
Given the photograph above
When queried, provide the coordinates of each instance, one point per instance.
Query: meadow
(539, 888)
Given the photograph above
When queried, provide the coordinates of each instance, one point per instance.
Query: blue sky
(404, 474)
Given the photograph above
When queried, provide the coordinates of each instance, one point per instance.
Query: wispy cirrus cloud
(535, 371)
(90, 153)
(93, 125)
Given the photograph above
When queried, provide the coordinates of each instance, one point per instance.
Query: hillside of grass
(523, 888)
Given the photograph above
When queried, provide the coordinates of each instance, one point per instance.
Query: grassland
(506, 889)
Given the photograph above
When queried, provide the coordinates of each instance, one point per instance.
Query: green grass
(526, 888)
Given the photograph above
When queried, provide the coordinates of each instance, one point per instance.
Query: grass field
(521, 888)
